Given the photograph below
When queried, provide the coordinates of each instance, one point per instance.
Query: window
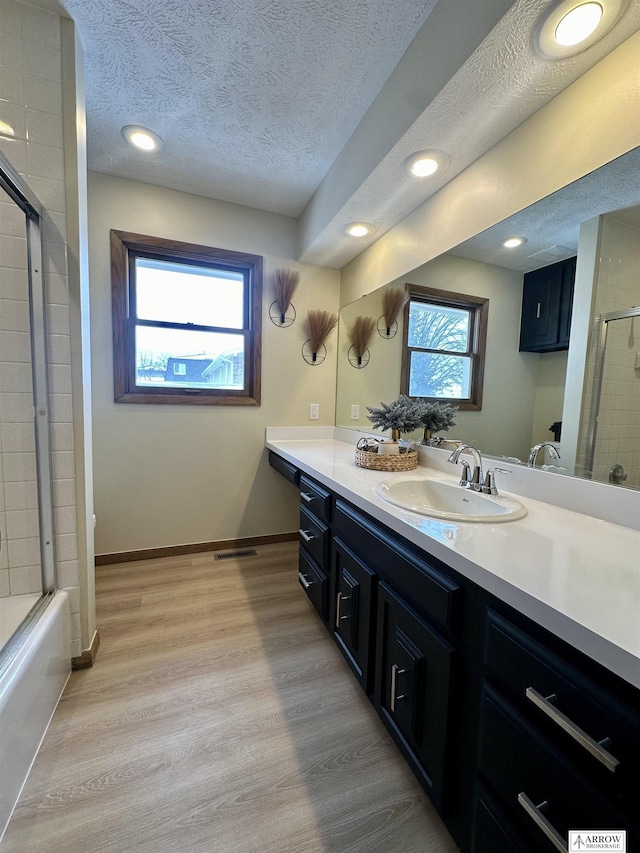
(444, 344)
(186, 322)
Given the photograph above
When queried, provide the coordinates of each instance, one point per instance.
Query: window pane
(439, 376)
(178, 293)
(438, 327)
(173, 358)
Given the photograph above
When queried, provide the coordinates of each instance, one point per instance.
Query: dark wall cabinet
(547, 299)
(514, 735)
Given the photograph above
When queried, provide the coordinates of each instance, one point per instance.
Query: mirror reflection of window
(445, 338)
(436, 334)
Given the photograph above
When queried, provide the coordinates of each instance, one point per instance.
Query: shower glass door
(614, 435)
(26, 549)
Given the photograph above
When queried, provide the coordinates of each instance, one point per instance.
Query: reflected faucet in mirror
(553, 452)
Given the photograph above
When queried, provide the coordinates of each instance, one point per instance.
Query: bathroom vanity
(503, 658)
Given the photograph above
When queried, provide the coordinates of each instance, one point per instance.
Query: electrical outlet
(314, 411)
(355, 412)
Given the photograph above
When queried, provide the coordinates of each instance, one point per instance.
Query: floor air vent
(230, 555)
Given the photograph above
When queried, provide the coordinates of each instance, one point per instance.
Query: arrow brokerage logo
(612, 840)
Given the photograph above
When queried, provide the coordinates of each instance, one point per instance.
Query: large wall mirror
(593, 388)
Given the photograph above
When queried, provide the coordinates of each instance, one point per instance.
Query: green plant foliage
(402, 415)
(437, 416)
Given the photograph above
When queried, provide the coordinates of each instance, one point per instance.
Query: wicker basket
(386, 461)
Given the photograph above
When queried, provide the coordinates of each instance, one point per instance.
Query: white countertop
(575, 575)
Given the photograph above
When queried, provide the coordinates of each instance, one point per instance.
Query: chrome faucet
(469, 480)
(533, 456)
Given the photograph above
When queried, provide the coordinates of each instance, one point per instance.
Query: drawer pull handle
(304, 581)
(306, 536)
(535, 813)
(586, 742)
(307, 497)
(339, 599)
(395, 672)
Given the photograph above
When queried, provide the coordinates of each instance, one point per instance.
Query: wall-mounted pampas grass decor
(281, 311)
(360, 335)
(393, 302)
(318, 326)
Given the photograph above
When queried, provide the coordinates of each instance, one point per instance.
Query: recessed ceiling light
(142, 138)
(578, 24)
(424, 163)
(514, 242)
(574, 25)
(359, 229)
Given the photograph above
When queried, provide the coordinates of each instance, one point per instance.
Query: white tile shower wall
(31, 137)
(617, 287)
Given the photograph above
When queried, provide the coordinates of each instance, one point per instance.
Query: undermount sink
(448, 501)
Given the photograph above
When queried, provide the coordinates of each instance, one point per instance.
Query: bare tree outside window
(444, 346)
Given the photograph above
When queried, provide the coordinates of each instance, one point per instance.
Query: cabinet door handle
(538, 311)
(535, 813)
(592, 746)
(306, 536)
(395, 672)
(303, 580)
(339, 599)
(307, 497)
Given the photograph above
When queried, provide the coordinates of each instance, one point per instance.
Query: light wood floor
(219, 718)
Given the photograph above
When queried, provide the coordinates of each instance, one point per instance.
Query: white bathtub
(29, 692)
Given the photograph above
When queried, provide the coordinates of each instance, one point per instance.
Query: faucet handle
(465, 478)
(489, 486)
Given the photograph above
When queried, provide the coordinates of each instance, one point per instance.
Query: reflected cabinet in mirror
(584, 399)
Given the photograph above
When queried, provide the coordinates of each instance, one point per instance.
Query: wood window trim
(479, 307)
(124, 244)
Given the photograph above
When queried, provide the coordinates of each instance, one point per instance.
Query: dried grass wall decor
(360, 335)
(393, 301)
(285, 283)
(318, 326)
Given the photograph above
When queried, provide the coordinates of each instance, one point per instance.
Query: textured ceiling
(254, 100)
(552, 225)
(503, 83)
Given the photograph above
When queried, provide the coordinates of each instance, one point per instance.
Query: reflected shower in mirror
(596, 218)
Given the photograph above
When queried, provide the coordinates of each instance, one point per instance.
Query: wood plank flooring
(219, 718)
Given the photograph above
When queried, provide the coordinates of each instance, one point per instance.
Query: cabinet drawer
(426, 588)
(595, 729)
(314, 498)
(314, 536)
(289, 471)
(543, 794)
(413, 677)
(315, 583)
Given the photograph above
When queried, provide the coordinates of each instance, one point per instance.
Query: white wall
(171, 474)
(31, 92)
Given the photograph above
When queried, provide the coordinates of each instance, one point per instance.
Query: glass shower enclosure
(27, 567)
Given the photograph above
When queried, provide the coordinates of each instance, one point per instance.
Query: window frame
(125, 248)
(478, 307)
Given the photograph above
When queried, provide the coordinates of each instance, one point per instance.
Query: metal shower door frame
(15, 186)
(603, 321)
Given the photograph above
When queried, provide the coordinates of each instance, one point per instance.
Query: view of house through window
(188, 297)
(444, 346)
(187, 322)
